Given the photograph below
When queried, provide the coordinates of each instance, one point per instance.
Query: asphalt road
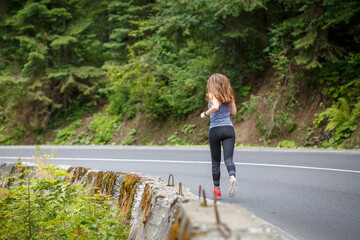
(304, 194)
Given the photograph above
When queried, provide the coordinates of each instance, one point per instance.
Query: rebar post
(180, 189)
(204, 195)
(172, 177)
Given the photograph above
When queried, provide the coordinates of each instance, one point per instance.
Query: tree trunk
(2, 7)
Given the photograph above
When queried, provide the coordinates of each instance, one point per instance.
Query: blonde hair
(219, 86)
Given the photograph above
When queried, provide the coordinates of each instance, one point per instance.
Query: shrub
(336, 115)
(131, 139)
(64, 135)
(340, 120)
(175, 140)
(287, 144)
(103, 126)
(247, 108)
(188, 129)
(49, 207)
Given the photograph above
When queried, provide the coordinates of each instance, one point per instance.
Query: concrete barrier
(158, 211)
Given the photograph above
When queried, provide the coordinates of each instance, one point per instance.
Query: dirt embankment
(281, 111)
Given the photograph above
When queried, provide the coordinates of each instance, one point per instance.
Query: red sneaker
(218, 193)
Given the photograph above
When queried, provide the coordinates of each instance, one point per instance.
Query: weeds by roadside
(42, 204)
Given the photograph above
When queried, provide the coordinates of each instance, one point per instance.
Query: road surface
(303, 194)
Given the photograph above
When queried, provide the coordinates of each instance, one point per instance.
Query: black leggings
(226, 135)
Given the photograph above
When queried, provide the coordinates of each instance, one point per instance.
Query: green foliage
(83, 138)
(247, 108)
(73, 113)
(10, 93)
(340, 120)
(159, 54)
(278, 121)
(123, 18)
(310, 29)
(158, 89)
(64, 135)
(58, 55)
(342, 80)
(285, 122)
(282, 124)
(287, 144)
(336, 115)
(244, 91)
(176, 51)
(4, 139)
(188, 129)
(131, 139)
(49, 207)
(174, 140)
(103, 126)
(145, 141)
(343, 86)
(278, 48)
(40, 139)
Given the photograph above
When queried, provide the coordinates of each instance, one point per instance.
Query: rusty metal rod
(172, 177)
(224, 230)
(180, 189)
(204, 195)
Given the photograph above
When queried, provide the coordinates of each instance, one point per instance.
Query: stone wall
(158, 211)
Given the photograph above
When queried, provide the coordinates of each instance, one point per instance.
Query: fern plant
(340, 120)
(335, 115)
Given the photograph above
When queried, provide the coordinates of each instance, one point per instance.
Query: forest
(117, 61)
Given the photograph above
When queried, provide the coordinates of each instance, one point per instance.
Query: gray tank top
(221, 117)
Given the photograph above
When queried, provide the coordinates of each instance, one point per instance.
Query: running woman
(221, 103)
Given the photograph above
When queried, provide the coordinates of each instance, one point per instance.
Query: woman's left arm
(215, 104)
(233, 109)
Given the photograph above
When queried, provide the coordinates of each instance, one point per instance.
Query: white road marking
(204, 148)
(187, 162)
(300, 167)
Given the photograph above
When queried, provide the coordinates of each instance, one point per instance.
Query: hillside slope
(267, 117)
(135, 72)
